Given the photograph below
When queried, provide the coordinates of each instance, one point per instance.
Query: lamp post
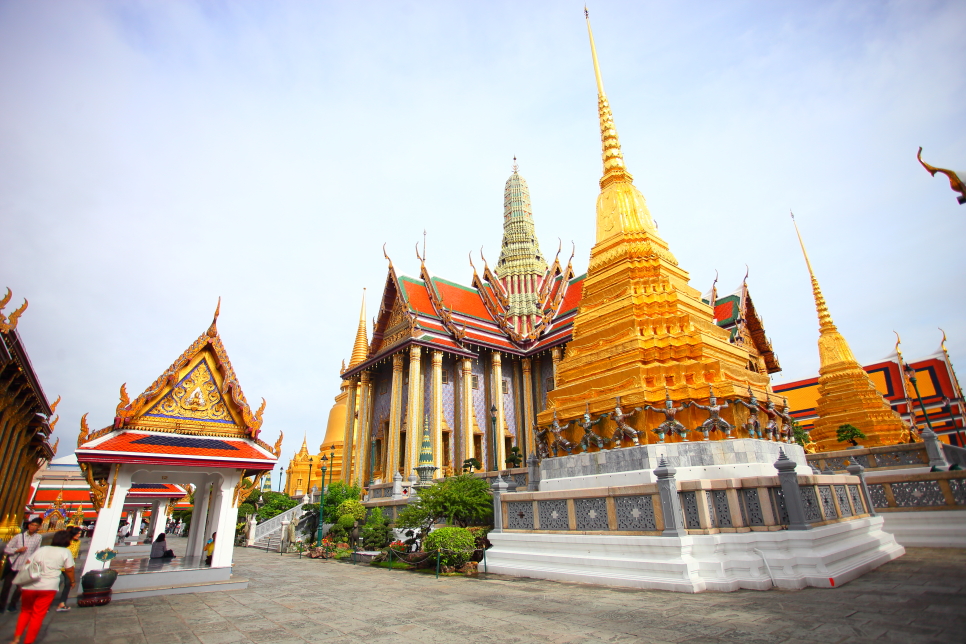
(496, 466)
(331, 462)
(318, 532)
(911, 373)
(308, 485)
(281, 477)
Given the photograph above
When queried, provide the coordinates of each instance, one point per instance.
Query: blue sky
(155, 156)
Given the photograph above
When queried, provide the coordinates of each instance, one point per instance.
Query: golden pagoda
(641, 327)
(846, 394)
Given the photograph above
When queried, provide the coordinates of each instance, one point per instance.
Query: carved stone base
(100, 597)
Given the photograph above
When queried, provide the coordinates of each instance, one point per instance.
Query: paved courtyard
(919, 598)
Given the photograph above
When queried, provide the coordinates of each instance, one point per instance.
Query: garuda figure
(624, 430)
(670, 425)
(715, 421)
(589, 435)
(753, 425)
(559, 442)
(771, 427)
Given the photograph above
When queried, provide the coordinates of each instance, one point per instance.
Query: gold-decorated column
(350, 423)
(555, 356)
(469, 445)
(500, 448)
(414, 415)
(436, 419)
(528, 413)
(363, 432)
(395, 418)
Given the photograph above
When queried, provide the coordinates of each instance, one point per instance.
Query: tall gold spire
(846, 395)
(360, 349)
(621, 207)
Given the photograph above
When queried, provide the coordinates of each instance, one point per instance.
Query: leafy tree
(338, 493)
(245, 509)
(376, 534)
(351, 508)
(514, 458)
(800, 435)
(471, 464)
(275, 504)
(849, 433)
(462, 500)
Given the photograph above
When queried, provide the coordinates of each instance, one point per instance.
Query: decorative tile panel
(905, 457)
(810, 501)
(519, 515)
(553, 515)
(721, 509)
(828, 505)
(591, 514)
(842, 462)
(918, 494)
(689, 504)
(753, 504)
(958, 487)
(635, 513)
(878, 496)
(843, 499)
(856, 495)
(521, 480)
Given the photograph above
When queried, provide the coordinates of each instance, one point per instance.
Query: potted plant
(97, 583)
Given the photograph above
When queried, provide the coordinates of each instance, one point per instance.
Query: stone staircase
(268, 534)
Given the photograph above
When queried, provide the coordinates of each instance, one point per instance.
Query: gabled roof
(130, 446)
(736, 313)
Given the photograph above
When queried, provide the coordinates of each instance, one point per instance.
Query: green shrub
(352, 508)
(849, 433)
(275, 504)
(376, 533)
(335, 495)
(246, 509)
(340, 532)
(456, 545)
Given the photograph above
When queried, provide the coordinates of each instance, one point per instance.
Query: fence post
(791, 491)
(667, 488)
(499, 487)
(533, 475)
(934, 450)
(857, 470)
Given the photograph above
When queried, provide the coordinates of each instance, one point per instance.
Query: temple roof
(736, 313)
(125, 446)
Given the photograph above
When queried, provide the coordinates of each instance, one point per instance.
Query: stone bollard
(792, 493)
(397, 489)
(499, 487)
(667, 489)
(533, 473)
(934, 450)
(857, 470)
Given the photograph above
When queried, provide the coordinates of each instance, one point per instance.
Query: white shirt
(53, 560)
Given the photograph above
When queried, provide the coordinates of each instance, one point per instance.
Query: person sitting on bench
(159, 549)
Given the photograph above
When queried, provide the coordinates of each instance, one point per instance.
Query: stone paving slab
(917, 598)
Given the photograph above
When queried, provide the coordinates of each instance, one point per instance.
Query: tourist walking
(65, 583)
(159, 549)
(18, 550)
(37, 595)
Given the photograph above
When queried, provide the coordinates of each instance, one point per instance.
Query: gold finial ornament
(360, 350)
(9, 324)
(956, 179)
(846, 395)
(213, 329)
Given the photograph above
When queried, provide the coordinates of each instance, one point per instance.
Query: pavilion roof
(157, 448)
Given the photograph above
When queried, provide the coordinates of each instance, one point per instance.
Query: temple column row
(395, 417)
(350, 427)
(414, 415)
(364, 433)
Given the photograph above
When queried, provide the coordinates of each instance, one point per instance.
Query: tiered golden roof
(640, 327)
(846, 395)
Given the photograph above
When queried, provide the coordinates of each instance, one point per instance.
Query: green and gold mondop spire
(521, 266)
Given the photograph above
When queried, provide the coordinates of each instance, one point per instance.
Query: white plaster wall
(937, 529)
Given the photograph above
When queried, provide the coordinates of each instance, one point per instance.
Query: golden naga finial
(942, 344)
(714, 296)
(898, 342)
(53, 407)
(53, 424)
(54, 447)
(277, 449)
(125, 401)
(9, 324)
(213, 329)
(955, 180)
(84, 431)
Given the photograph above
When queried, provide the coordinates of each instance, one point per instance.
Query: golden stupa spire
(846, 395)
(620, 207)
(360, 350)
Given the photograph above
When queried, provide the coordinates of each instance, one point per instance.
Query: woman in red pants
(36, 597)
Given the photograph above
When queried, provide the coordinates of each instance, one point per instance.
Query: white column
(135, 526)
(199, 515)
(226, 518)
(214, 507)
(152, 520)
(108, 519)
(160, 514)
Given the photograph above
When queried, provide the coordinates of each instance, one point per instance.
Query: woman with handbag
(39, 580)
(66, 584)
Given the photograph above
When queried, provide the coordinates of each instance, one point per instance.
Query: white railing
(275, 523)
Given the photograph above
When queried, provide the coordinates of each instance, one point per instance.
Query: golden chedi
(640, 326)
(846, 395)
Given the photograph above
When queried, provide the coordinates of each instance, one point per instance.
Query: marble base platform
(934, 529)
(824, 557)
(735, 458)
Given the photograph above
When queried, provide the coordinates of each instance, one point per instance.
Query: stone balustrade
(928, 491)
(886, 457)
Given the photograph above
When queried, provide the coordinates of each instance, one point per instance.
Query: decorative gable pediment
(195, 397)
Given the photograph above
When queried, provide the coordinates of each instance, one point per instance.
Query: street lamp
(331, 462)
(911, 373)
(281, 477)
(308, 485)
(318, 532)
(496, 466)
